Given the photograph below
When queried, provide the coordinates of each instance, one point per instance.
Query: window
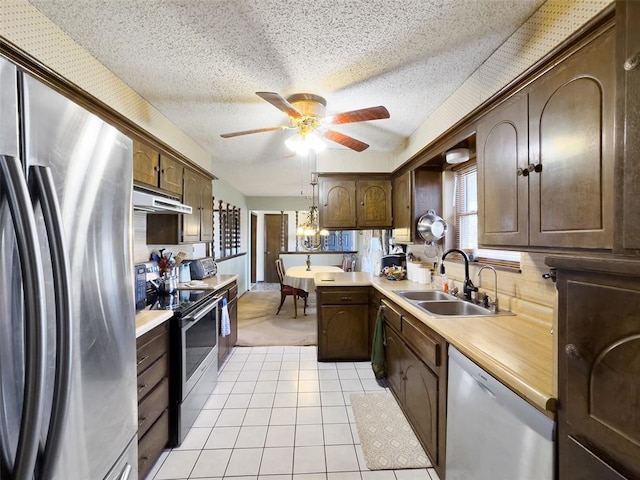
(466, 217)
(466, 202)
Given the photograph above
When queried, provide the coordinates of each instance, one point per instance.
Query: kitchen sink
(456, 308)
(424, 295)
(443, 305)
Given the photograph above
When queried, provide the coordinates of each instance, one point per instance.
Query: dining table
(303, 278)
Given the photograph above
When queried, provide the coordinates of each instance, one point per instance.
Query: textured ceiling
(200, 61)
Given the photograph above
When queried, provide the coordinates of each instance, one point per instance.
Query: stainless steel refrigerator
(68, 401)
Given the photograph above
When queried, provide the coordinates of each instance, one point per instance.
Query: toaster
(203, 268)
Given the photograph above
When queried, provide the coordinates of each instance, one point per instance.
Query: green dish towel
(377, 348)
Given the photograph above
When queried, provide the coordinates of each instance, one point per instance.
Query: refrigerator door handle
(15, 186)
(43, 191)
(126, 473)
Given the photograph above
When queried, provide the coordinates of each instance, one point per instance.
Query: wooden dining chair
(286, 290)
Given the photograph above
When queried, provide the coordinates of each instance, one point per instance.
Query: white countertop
(147, 320)
(515, 350)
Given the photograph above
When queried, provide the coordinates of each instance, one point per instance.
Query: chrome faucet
(467, 286)
(487, 303)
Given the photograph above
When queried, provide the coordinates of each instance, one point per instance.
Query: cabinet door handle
(572, 352)
(530, 168)
(143, 359)
(632, 62)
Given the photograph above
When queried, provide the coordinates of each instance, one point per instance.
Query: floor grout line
(256, 358)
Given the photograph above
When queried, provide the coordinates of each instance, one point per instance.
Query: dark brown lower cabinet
(226, 344)
(421, 400)
(374, 304)
(394, 353)
(153, 396)
(598, 368)
(415, 364)
(152, 444)
(343, 324)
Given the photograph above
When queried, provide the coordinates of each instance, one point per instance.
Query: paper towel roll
(424, 275)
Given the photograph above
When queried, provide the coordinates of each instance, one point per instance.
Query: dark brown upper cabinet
(414, 193)
(627, 127)
(546, 157)
(347, 203)
(403, 208)
(156, 170)
(196, 227)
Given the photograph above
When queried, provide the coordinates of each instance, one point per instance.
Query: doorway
(276, 227)
(254, 246)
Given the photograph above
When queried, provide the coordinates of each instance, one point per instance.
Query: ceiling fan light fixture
(301, 144)
(306, 113)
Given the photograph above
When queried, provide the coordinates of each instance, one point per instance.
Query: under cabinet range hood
(150, 203)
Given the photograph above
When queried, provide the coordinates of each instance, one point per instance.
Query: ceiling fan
(306, 114)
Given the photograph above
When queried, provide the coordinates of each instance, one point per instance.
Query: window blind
(466, 207)
(466, 217)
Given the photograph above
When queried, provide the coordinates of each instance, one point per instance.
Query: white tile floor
(278, 414)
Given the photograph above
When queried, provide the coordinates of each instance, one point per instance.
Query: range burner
(181, 302)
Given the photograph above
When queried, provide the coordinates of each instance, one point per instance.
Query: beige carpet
(258, 324)
(388, 442)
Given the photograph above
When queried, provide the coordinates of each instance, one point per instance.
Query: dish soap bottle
(445, 283)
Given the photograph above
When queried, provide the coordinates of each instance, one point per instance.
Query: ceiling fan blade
(247, 132)
(280, 103)
(345, 140)
(362, 115)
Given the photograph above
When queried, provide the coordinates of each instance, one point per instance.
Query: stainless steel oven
(199, 336)
(195, 344)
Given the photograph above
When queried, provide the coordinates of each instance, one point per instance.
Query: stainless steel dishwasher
(492, 433)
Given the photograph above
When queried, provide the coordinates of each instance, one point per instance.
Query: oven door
(199, 343)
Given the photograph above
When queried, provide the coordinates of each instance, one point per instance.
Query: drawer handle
(141, 387)
(143, 359)
(345, 299)
(142, 421)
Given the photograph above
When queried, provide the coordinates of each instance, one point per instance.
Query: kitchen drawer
(152, 376)
(391, 316)
(151, 346)
(375, 297)
(152, 406)
(416, 334)
(345, 297)
(150, 446)
(233, 292)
